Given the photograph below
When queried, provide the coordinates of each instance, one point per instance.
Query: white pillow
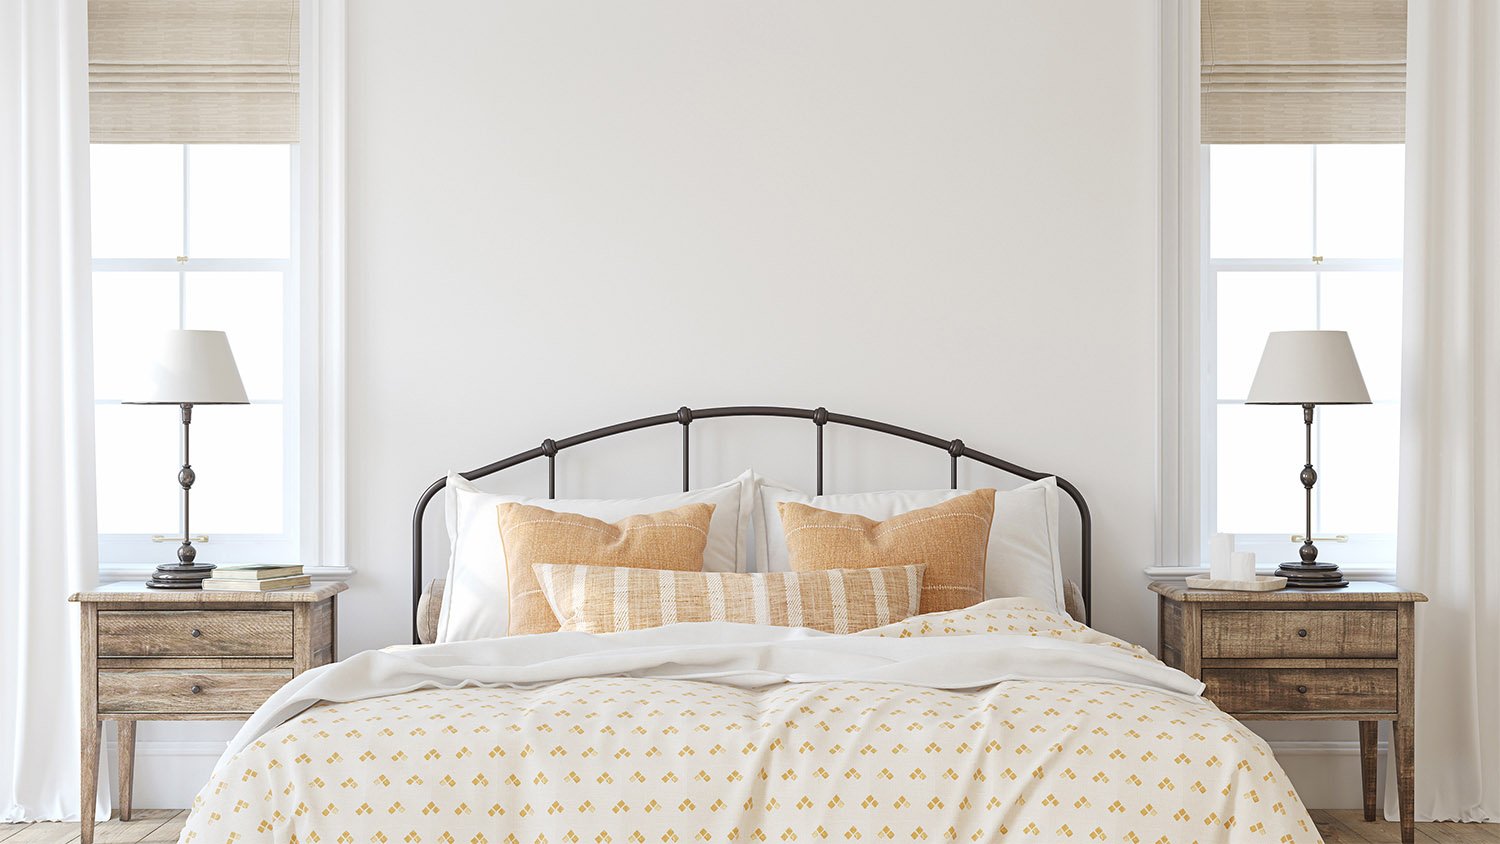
(475, 602)
(1023, 559)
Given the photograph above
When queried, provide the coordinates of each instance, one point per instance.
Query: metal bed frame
(820, 417)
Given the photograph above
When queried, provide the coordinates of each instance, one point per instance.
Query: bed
(1005, 720)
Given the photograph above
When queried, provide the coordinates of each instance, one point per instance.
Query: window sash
(1371, 549)
(299, 469)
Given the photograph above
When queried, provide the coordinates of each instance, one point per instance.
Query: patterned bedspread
(602, 759)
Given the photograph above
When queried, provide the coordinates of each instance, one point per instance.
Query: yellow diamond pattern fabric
(611, 759)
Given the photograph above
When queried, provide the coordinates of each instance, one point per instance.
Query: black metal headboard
(684, 416)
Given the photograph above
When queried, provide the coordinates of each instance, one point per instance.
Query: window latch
(1316, 259)
(1297, 537)
(178, 538)
(183, 259)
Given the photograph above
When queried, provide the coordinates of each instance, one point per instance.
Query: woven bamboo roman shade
(1304, 71)
(193, 71)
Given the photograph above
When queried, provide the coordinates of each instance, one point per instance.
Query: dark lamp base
(1312, 575)
(180, 576)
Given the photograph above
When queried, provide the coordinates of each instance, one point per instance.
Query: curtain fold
(1449, 524)
(48, 542)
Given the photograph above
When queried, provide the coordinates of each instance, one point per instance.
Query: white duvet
(1000, 721)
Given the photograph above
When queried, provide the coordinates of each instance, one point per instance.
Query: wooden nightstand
(189, 655)
(1304, 654)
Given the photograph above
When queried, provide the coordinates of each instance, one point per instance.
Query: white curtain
(48, 546)
(1449, 545)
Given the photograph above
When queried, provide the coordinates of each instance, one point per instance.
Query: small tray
(1262, 583)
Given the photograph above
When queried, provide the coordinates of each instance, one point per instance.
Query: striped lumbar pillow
(599, 599)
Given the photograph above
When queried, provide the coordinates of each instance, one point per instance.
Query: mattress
(1002, 721)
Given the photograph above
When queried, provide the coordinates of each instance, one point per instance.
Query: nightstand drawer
(195, 633)
(1324, 690)
(1283, 634)
(172, 690)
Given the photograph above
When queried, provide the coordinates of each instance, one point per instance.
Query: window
(1301, 236)
(198, 236)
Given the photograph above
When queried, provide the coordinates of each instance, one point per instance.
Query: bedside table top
(1358, 592)
(136, 592)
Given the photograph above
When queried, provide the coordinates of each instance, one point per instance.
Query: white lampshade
(190, 367)
(1308, 367)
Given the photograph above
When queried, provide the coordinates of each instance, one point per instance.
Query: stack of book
(262, 577)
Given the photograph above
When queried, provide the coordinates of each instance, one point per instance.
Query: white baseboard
(1319, 748)
(169, 773)
(185, 749)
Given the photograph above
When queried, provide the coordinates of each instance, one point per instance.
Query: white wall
(567, 214)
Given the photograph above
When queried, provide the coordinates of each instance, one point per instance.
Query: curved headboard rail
(685, 416)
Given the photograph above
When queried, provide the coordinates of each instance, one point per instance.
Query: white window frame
(1182, 312)
(1178, 307)
(1270, 549)
(127, 548)
(314, 315)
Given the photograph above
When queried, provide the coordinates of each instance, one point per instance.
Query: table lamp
(188, 368)
(1309, 368)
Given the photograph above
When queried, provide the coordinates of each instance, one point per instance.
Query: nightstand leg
(1404, 728)
(1404, 735)
(126, 751)
(1369, 733)
(88, 738)
(88, 784)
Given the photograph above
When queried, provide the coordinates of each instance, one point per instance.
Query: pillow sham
(672, 540)
(1023, 559)
(594, 599)
(949, 538)
(475, 602)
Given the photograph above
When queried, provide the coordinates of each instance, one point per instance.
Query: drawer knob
(195, 633)
(196, 689)
(1301, 690)
(1302, 633)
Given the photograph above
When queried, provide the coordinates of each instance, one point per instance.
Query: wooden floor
(146, 826)
(1341, 825)
(161, 826)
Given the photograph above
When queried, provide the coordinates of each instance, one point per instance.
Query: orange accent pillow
(672, 540)
(950, 538)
